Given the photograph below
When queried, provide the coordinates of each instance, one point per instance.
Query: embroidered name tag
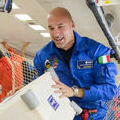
(81, 64)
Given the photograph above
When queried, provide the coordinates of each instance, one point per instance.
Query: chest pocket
(105, 72)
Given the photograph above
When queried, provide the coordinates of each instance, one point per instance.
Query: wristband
(76, 90)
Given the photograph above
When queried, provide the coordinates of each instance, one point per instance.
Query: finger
(57, 91)
(54, 86)
(57, 81)
(62, 96)
(58, 86)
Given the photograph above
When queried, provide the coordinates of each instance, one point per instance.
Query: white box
(44, 104)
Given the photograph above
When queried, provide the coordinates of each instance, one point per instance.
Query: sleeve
(38, 64)
(104, 78)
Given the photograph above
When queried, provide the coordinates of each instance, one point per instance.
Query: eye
(61, 26)
(51, 28)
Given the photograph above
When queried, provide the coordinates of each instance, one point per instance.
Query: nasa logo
(53, 103)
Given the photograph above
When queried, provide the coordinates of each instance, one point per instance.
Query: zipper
(72, 82)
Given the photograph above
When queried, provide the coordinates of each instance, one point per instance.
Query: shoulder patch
(104, 59)
(53, 61)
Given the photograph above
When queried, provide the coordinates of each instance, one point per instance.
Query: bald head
(60, 11)
(61, 26)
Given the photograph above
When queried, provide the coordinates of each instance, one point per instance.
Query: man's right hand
(63, 89)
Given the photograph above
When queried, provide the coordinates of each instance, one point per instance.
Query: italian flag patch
(104, 59)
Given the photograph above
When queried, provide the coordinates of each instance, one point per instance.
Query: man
(83, 77)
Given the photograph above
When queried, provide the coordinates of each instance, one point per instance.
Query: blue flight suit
(98, 80)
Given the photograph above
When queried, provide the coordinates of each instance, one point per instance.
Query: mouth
(59, 40)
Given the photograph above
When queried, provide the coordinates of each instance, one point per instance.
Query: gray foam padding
(30, 99)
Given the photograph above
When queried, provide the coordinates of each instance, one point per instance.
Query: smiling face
(61, 28)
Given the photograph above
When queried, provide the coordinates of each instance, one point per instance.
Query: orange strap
(92, 111)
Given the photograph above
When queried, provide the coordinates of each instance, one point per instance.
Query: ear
(73, 25)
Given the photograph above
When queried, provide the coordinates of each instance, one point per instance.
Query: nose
(56, 33)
